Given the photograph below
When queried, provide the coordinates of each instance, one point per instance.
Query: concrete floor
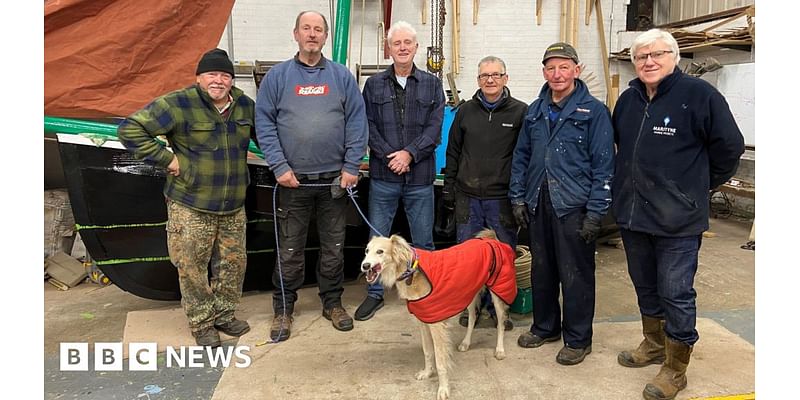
(377, 360)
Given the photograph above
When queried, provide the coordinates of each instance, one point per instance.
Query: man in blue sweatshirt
(312, 128)
(676, 140)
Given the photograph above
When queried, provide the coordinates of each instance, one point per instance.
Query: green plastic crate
(523, 303)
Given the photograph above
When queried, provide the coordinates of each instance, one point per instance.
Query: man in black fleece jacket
(478, 167)
(676, 140)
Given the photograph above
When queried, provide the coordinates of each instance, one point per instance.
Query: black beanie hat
(215, 60)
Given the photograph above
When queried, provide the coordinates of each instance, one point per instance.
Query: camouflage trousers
(197, 242)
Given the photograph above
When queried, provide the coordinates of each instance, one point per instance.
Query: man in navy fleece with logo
(676, 139)
(312, 128)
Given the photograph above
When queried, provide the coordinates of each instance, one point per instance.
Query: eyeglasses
(495, 76)
(655, 55)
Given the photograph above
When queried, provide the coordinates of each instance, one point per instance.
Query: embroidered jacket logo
(664, 130)
(313, 90)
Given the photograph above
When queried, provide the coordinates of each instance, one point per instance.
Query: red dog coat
(458, 273)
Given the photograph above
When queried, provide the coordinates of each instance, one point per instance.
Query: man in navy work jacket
(676, 139)
(405, 108)
(560, 182)
(311, 126)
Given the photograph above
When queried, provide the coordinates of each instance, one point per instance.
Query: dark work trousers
(295, 208)
(662, 270)
(561, 257)
(473, 215)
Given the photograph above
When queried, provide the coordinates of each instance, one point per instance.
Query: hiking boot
(368, 308)
(570, 356)
(281, 327)
(207, 337)
(338, 316)
(671, 379)
(529, 340)
(651, 350)
(507, 324)
(233, 327)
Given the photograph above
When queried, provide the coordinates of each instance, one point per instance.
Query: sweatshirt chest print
(311, 90)
(664, 130)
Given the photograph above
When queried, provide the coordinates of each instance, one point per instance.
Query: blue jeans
(662, 270)
(474, 215)
(418, 205)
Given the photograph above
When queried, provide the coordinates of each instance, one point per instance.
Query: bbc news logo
(108, 356)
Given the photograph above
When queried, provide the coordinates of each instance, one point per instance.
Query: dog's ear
(401, 250)
(398, 241)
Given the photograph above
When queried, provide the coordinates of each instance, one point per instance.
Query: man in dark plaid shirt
(405, 108)
(208, 126)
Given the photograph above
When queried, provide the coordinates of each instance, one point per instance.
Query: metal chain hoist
(435, 50)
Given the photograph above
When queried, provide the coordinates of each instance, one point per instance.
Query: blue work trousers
(561, 258)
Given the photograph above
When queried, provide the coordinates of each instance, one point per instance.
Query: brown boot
(671, 379)
(651, 350)
(338, 317)
(281, 327)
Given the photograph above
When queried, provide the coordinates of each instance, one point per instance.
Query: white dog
(440, 284)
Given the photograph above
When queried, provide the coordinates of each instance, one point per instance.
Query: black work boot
(338, 317)
(463, 320)
(571, 356)
(529, 340)
(368, 308)
(207, 337)
(233, 327)
(507, 324)
(281, 327)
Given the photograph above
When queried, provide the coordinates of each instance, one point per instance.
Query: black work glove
(591, 225)
(520, 212)
(448, 198)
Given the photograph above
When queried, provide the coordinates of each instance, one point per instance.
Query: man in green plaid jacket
(208, 126)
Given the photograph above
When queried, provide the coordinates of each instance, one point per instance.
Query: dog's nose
(365, 267)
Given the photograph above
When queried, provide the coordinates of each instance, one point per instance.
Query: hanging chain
(435, 50)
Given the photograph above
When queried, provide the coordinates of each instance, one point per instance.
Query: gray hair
(401, 26)
(649, 37)
(492, 59)
(297, 20)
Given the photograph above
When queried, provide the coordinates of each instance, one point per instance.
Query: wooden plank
(424, 12)
(589, 4)
(574, 24)
(563, 33)
(703, 18)
(539, 12)
(476, 4)
(601, 34)
(451, 81)
(613, 94)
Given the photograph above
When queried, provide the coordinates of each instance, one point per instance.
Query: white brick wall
(507, 29)
(262, 30)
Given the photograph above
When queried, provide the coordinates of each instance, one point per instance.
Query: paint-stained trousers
(197, 242)
(561, 258)
(295, 208)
